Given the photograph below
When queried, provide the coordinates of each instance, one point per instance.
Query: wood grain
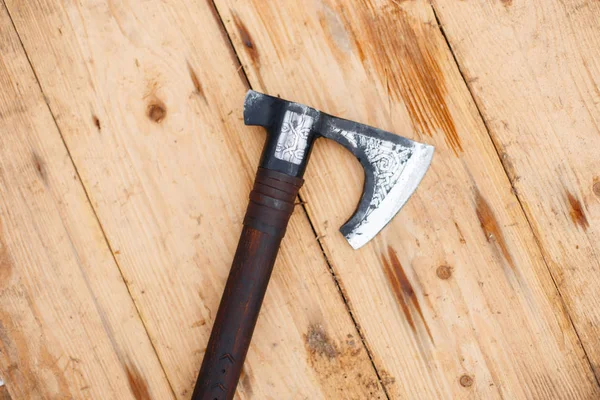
(148, 97)
(453, 297)
(68, 327)
(535, 73)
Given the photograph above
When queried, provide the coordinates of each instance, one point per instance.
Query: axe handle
(271, 205)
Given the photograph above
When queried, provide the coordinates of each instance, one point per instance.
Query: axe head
(393, 165)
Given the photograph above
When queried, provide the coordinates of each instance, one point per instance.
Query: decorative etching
(293, 138)
(388, 161)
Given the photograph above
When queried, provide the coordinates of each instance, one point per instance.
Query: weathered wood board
(535, 75)
(454, 298)
(148, 97)
(68, 327)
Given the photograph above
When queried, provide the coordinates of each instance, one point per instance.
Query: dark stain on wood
(246, 39)
(466, 381)
(596, 188)
(40, 166)
(246, 383)
(576, 211)
(6, 265)
(225, 39)
(386, 378)
(461, 237)
(391, 276)
(4, 395)
(444, 272)
(403, 289)
(407, 287)
(510, 168)
(490, 227)
(506, 3)
(359, 51)
(198, 89)
(96, 122)
(251, 49)
(137, 383)
(199, 323)
(342, 368)
(156, 111)
(319, 343)
(402, 54)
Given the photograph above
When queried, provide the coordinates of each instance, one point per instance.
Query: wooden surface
(125, 169)
(69, 327)
(551, 155)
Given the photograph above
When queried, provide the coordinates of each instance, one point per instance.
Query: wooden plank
(149, 100)
(534, 71)
(453, 297)
(68, 327)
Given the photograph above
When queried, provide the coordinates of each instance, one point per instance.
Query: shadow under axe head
(394, 166)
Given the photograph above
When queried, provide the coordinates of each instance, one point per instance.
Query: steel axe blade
(394, 166)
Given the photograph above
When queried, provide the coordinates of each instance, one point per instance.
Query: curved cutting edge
(358, 233)
(394, 166)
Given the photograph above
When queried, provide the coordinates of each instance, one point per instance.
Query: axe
(393, 166)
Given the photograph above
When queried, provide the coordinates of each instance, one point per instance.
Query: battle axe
(393, 166)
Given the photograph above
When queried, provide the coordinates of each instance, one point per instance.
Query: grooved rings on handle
(272, 201)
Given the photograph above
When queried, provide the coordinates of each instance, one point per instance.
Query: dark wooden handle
(271, 205)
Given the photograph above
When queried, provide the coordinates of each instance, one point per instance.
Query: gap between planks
(14, 27)
(516, 194)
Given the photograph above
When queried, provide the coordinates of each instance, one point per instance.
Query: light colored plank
(534, 70)
(453, 297)
(149, 100)
(68, 327)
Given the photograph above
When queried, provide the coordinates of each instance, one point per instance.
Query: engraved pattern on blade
(293, 138)
(388, 160)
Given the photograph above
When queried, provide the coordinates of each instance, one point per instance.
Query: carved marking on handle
(228, 357)
(218, 385)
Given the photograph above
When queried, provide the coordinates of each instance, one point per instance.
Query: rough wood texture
(454, 297)
(148, 98)
(68, 327)
(535, 75)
